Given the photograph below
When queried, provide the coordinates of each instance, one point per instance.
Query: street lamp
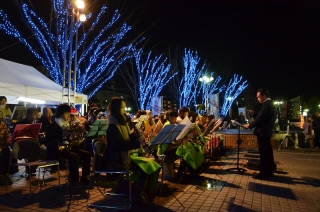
(77, 6)
(206, 80)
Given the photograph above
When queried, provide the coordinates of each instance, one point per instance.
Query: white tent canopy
(17, 80)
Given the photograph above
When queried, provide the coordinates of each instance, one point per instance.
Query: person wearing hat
(74, 115)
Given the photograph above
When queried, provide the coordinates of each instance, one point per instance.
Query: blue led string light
(153, 75)
(233, 90)
(97, 61)
(189, 86)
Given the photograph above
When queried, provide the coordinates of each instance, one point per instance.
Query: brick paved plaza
(295, 187)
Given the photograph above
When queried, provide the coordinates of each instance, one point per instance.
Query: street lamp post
(206, 80)
(76, 17)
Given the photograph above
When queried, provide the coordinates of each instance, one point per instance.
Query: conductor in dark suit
(263, 126)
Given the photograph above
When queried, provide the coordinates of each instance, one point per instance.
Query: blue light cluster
(189, 86)
(153, 75)
(233, 90)
(97, 61)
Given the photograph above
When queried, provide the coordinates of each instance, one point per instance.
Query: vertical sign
(214, 105)
(156, 105)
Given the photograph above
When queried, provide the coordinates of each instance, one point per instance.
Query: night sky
(272, 45)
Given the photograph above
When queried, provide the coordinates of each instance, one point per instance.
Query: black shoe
(85, 180)
(76, 185)
(142, 200)
(261, 177)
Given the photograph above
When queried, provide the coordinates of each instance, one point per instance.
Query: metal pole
(70, 55)
(207, 96)
(75, 59)
(65, 51)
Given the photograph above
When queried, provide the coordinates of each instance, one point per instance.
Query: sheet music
(185, 121)
(209, 128)
(140, 120)
(236, 123)
(185, 130)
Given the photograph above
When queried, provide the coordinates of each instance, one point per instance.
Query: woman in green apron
(122, 140)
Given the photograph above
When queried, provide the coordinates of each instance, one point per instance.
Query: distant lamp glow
(278, 103)
(206, 79)
(35, 101)
(80, 4)
(82, 18)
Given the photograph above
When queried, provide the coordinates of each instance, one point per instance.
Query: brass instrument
(72, 136)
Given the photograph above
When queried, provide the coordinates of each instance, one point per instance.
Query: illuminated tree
(175, 59)
(97, 60)
(233, 90)
(146, 77)
(192, 71)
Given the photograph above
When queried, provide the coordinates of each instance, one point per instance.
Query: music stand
(209, 128)
(99, 128)
(216, 125)
(239, 142)
(166, 136)
(27, 130)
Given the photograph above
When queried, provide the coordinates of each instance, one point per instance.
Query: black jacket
(115, 145)
(44, 121)
(264, 119)
(54, 135)
(316, 123)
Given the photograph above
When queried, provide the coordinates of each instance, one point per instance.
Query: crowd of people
(124, 140)
(129, 138)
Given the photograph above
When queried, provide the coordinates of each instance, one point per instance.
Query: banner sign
(214, 105)
(156, 105)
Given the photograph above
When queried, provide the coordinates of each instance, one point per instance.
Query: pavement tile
(295, 187)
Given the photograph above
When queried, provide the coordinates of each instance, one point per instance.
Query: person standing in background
(316, 129)
(307, 131)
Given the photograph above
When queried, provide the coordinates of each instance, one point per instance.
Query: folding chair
(28, 149)
(99, 149)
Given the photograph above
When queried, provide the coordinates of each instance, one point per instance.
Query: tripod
(287, 138)
(239, 142)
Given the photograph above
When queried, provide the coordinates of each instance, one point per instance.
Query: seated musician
(169, 150)
(5, 111)
(4, 152)
(191, 153)
(122, 140)
(182, 113)
(46, 118)
(31, 118)
(74, 155)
